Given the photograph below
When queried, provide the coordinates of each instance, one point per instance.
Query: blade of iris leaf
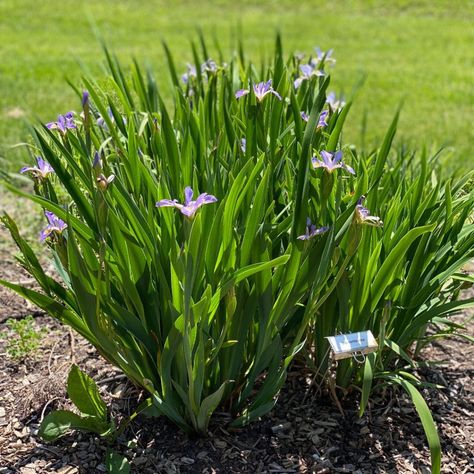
(119, 78)
(385, 273)
(254, 218)
(134, 216)
(172, 153)
(336, 131)
(53, 308)
(382, 159)
(367, 382)
(240, 275)
(69, 183)
(427, 421)
(59, 211)
(171, 66)
(112, 129)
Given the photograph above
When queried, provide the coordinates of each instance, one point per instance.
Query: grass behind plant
(418, 52)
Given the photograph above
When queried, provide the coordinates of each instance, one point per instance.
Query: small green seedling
(94, 416)
(22, 338)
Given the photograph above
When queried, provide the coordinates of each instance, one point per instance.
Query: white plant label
(346, 345)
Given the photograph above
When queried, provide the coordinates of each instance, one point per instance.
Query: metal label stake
(355, 345)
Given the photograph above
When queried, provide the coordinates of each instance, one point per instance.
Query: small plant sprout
(22, 339)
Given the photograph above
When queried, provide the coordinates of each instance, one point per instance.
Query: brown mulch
(305, 433)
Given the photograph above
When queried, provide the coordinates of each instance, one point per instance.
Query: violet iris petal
(264, 88)
(321, 121)
(331, 161)
(189, 207)
(334, 103)
(307, 72)
(55, 226)
(41, 170)
(65, 122)
(312, 231)
(362, 215)
(241, 92)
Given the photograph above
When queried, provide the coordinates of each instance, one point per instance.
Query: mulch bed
(305, 433)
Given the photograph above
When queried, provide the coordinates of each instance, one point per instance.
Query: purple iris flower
(331, 161)
(320, 56)
(189, 207)
(260, 90)
(362, 215)
(101, 121)
(190, 73)
(307, 72)
(85, 98)
(322, 118)
(209, 66)
(304, 116)
(334, 103)
(40, 171)
(97, 162)
(65, 122)
(55, 226)
(243, 145)
(312, 231)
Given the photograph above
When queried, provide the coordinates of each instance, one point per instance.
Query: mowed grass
(419, 52)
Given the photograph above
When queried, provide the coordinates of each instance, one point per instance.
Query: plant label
(348, 345)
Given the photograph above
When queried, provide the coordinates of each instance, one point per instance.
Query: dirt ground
(305, 433)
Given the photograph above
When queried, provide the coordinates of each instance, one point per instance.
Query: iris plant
(213, 322)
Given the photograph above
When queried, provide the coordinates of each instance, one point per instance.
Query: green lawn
(418, 51)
